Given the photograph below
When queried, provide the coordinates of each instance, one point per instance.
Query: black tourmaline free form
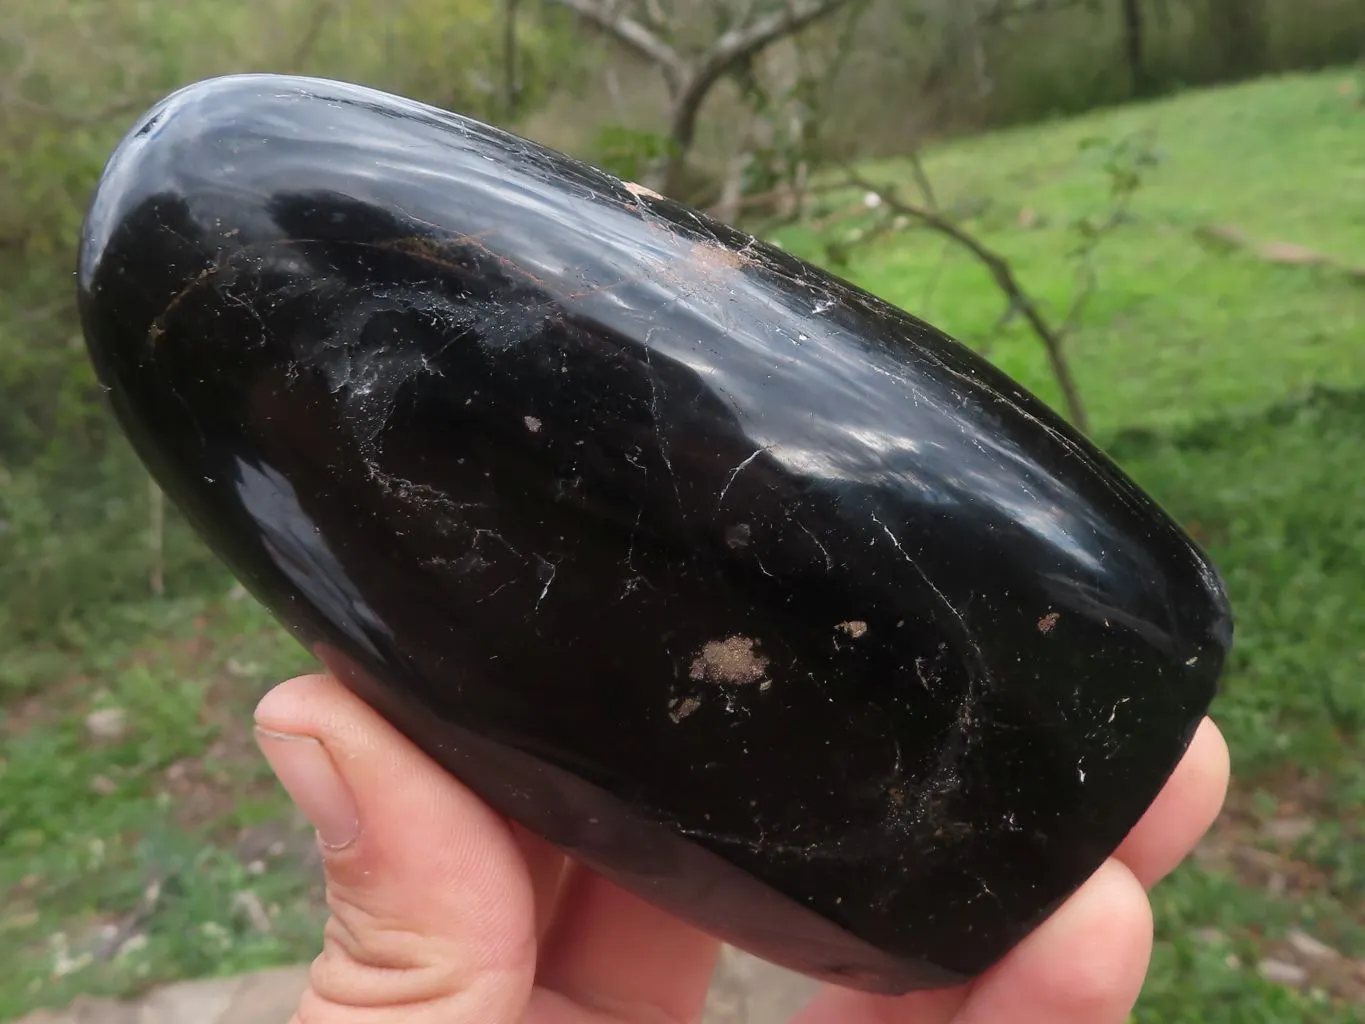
(760, 597)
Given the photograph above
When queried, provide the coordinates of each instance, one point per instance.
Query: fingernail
(307, 772)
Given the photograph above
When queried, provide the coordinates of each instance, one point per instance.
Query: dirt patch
(1305, 962)
(1048, 622)
(72, 694)
(1261, 846)
(49, 705)
(853, 627)
(1227, 238)
(206, 789)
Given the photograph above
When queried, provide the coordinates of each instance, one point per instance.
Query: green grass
(1171, 334)
(1233, 388)
(90, 828)
(1280, 501)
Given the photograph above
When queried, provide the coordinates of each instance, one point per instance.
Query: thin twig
(690, 79)
(926, 187)
(1085, 271)
(769, 195)
(737, 45)
(644, 40)
(931, 287)
(1003, 274)
(129, 926)
(156, 538)
(322, 10)
(1124, 189)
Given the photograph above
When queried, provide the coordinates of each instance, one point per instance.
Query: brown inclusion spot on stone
(710, 256)
(732, 660)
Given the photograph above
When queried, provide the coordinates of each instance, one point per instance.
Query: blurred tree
(1240, 35)
(1134, 38)
(511, 86)
(655, 30)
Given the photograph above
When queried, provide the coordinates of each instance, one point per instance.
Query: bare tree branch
(737, 45)
(317, 19)
(629, 31)
(1085, 270)
(1003, 274)
(926, 187)
(511, 75)
(690, 80)
(757, 199)
(1003, 10)
(655, 15)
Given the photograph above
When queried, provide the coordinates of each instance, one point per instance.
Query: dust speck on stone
(712, 256)
(640, 192)
(732, 660)
(532, 424)
(1048, 622)
(853, 627)
(680, 709)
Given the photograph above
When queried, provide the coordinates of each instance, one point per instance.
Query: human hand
(441, 912)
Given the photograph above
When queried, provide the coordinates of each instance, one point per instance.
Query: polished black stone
(761, 597)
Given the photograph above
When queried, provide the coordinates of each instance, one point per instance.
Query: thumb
(432, 906)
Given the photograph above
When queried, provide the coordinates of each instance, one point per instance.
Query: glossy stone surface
(763, 598)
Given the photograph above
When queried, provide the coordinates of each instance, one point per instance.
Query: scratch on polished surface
(720, 498)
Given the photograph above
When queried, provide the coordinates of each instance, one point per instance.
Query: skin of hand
(444, 913)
